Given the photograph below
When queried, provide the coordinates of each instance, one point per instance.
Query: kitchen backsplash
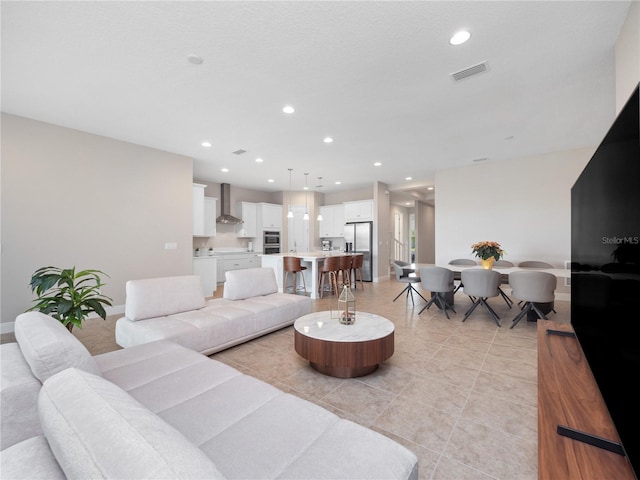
(225, 237)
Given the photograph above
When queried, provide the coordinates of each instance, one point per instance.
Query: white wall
(525, 204)
(382, 232)
(628, 56)
(73, 198)
(425, 233)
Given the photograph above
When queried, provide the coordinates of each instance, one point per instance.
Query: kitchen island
(311, 260)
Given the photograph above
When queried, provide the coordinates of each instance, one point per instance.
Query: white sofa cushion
(30, 459)
(157, 297)
(18, 397)
(48, 347)
(250, 282)
(97, 430)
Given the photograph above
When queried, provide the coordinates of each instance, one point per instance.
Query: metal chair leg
(508, 301)
(405, 289)
(417, 292)
(523, 311)
(483, 302)
(429, 303)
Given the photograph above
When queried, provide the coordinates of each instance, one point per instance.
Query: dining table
(557, 272)
(560, 273)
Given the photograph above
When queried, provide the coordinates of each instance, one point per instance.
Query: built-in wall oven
(271, 240)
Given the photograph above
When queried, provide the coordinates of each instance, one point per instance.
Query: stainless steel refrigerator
(358, 238)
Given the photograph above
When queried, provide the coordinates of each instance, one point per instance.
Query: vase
(487, 263)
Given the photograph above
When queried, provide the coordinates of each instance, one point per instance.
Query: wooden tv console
(568, 395)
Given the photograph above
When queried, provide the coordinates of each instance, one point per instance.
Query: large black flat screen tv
(605, 272)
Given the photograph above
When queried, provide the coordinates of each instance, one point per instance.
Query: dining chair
(504, 279)
(330, 267)
(481, 284)
(534, 264)
(532, 287)
(293, 265)
(503, 263)
(456, 275)
(356, 268)
(406, 274)
(438, 281)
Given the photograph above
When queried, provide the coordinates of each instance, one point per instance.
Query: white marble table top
(321, 326)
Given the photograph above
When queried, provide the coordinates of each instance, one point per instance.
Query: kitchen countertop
(223, 252)
(321, 254)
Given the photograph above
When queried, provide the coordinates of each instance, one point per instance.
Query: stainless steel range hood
(225, 206)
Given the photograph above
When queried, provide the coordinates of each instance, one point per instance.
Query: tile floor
(462, 396)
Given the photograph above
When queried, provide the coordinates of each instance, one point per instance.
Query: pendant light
(306, 207)
(290, 214)
(319, 186)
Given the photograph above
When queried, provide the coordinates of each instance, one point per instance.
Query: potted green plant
(69, 296)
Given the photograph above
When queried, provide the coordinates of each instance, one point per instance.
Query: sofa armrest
(158, 297)
(97, 430)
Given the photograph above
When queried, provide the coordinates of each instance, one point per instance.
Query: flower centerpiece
(488, 252)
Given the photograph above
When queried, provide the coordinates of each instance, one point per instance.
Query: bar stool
(345, 269)
(330, 267)
(356, 267)
(293, 265)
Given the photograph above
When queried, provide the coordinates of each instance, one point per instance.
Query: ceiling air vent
(470, 71)
(239, 152)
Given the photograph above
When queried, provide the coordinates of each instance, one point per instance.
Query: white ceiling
(373, 75)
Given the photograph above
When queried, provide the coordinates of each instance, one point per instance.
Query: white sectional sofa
(174, 308)
(160, 410)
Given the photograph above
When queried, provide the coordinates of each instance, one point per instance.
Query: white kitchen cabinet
(269, 216)
(236, 261)
(360, 211)
(204, 212)
(207, 268)
(220, 269)
(198, 209)
(248, 212)
(210, 205)
(332, 224)
(255, 261)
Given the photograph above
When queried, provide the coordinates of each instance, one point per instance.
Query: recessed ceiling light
(338, 182)
(259, 160)
(429, 188)
(328, 140)
(408, 178)
(206, 144)
(407, 203)
(459, 37)
(377, 164)
(288, 109)
(195, 59)
(225, 169)
(271, 180)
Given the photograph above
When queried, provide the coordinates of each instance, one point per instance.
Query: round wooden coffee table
(344, 351)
